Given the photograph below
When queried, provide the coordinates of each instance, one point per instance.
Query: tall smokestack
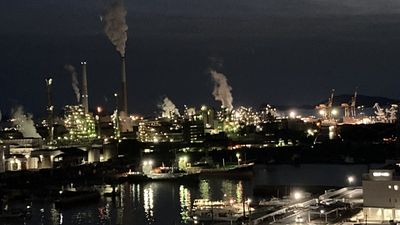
(85, 96)
(50, 108)
(124, 94)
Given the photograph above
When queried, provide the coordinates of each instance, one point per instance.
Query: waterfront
(160, 203)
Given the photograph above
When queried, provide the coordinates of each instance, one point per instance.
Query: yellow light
(297, 195)
(350, 179)
(334, 112)
(292, 114)
(99, 109)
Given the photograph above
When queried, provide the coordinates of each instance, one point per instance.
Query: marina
(173, 203)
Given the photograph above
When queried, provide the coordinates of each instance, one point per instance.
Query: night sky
(272, 51)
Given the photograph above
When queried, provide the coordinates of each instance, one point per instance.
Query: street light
(238, 158)
(183, 162)
(248, 208)
(297, 195)
(99, 110)
(292, 114)
(350, 179)
(334, 112)
(147, 166)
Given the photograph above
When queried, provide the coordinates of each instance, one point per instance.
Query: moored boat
(242, 170)
(71, 198)
(206, 210)
(169, 173)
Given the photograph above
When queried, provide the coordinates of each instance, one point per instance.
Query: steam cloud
(169, 108)
(75, 82)
(115, 25)
(24, 123)
(222, 90)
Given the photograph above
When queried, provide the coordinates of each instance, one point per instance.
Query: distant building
(2, 158)
(22, 146)
(193, 131)
(381, 191)
(160, 130)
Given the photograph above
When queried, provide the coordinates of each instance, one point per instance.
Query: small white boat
(206, 210)
(169, 173)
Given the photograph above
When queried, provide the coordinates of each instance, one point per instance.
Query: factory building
(22, 146)
(193, 131)
(208, 117)
(79, 124)
(160, 130)
(20, 162)
(381, 191)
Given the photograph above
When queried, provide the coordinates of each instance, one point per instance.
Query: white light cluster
(381, 174)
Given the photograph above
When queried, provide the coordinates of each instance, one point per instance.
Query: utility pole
(50, 109)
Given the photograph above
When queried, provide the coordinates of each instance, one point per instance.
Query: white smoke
(169, 109)
(126, 123)
(222, 90)
(24, 123)
(75, 82)
(115, 26)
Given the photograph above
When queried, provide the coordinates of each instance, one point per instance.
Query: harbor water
(168, 203)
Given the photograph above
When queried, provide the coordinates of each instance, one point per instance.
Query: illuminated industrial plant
(79, 125)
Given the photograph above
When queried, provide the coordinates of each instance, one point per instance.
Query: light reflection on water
(204, 189)
(185, 203)
(155, 203)
(148, 203)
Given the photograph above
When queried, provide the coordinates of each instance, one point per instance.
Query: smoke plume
(222, 90)
(75, 82)
(168, 108)
(115, 25)
(24, 123)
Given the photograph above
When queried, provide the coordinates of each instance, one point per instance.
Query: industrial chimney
(50, 108)
(85, 96)
(124, 94)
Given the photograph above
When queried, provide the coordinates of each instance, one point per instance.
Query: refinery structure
(97, 135)
(80, 135)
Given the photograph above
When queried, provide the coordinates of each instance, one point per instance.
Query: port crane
(325, 110)
(350, 108)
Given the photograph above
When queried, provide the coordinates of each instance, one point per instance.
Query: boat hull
(75, 199)
(242, 171)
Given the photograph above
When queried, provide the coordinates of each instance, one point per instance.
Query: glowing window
(381, 174)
